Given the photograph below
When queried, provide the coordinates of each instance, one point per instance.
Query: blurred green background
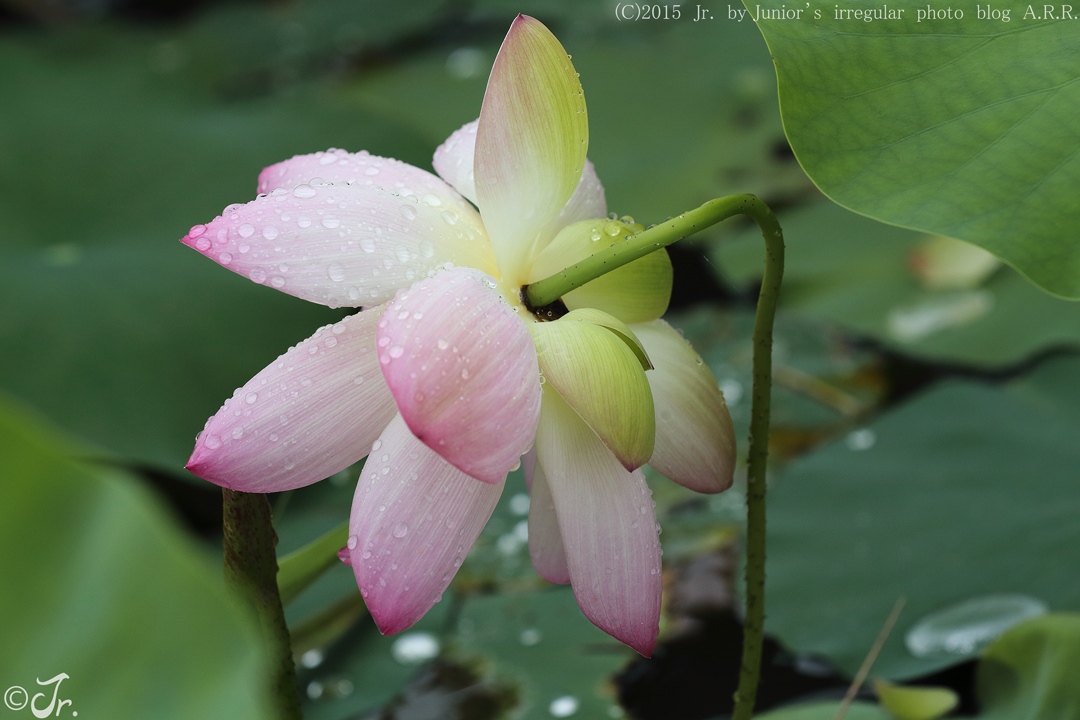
(926, 405)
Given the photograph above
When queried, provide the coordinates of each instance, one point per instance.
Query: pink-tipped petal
(362, 169)
(463, 370)
(454, 160)
(345, 556)
(348, 245)
(530, 143)
(545, 538)
(695, 440)
(414, 519)
(311, 413)
(608, 527)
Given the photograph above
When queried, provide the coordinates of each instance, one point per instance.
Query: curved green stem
(251, 569)
(632, 247)
(754, 623)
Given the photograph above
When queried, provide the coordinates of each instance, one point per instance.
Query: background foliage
(926, 400)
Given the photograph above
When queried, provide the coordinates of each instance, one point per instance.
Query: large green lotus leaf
(966, 491)
(1030, 671)
(856, 272)
(111, 326)
(961, 127)
(542, 643)
(99, 584)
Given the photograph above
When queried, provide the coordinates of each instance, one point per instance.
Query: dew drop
(352, 542)
(432, 200)
(450, 217)
(401, 530)
(277, 281)
(336, 272)
(225, 258)
(330, 221)
(407, 212)
(196, 231)
(202, 244)
(303, 191)
(213, 442)
(246, 230)
(426, 248)
(396, 351)
(257, 275)
(368, 244)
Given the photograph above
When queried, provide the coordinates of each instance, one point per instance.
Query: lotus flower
(446, 379)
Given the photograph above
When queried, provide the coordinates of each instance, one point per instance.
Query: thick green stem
(754, 624)
(632, 247)
(251, 569)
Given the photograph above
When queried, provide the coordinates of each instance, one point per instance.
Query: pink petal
(414, 519)
(545, 538)
(463, 370)
(362, 169)
(608, 527)
(454, 160)
(347, 244)
(695, 440)
(311, 413)
(530, 143)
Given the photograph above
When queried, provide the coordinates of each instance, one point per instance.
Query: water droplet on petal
(330, 221)
(257, 275)
(401, 530)
(213, 442)
(432, 200)
(408, 212)
(304, 191)
(336, 272)
(352, 542)
(246, 230)
(426, 248)
(196, 231)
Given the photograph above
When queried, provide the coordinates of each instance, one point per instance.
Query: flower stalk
(633, 247)
(251, 570)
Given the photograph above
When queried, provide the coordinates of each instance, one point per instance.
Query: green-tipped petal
(636, 292)
(612, 323)
(530, 143)
(601, 378)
